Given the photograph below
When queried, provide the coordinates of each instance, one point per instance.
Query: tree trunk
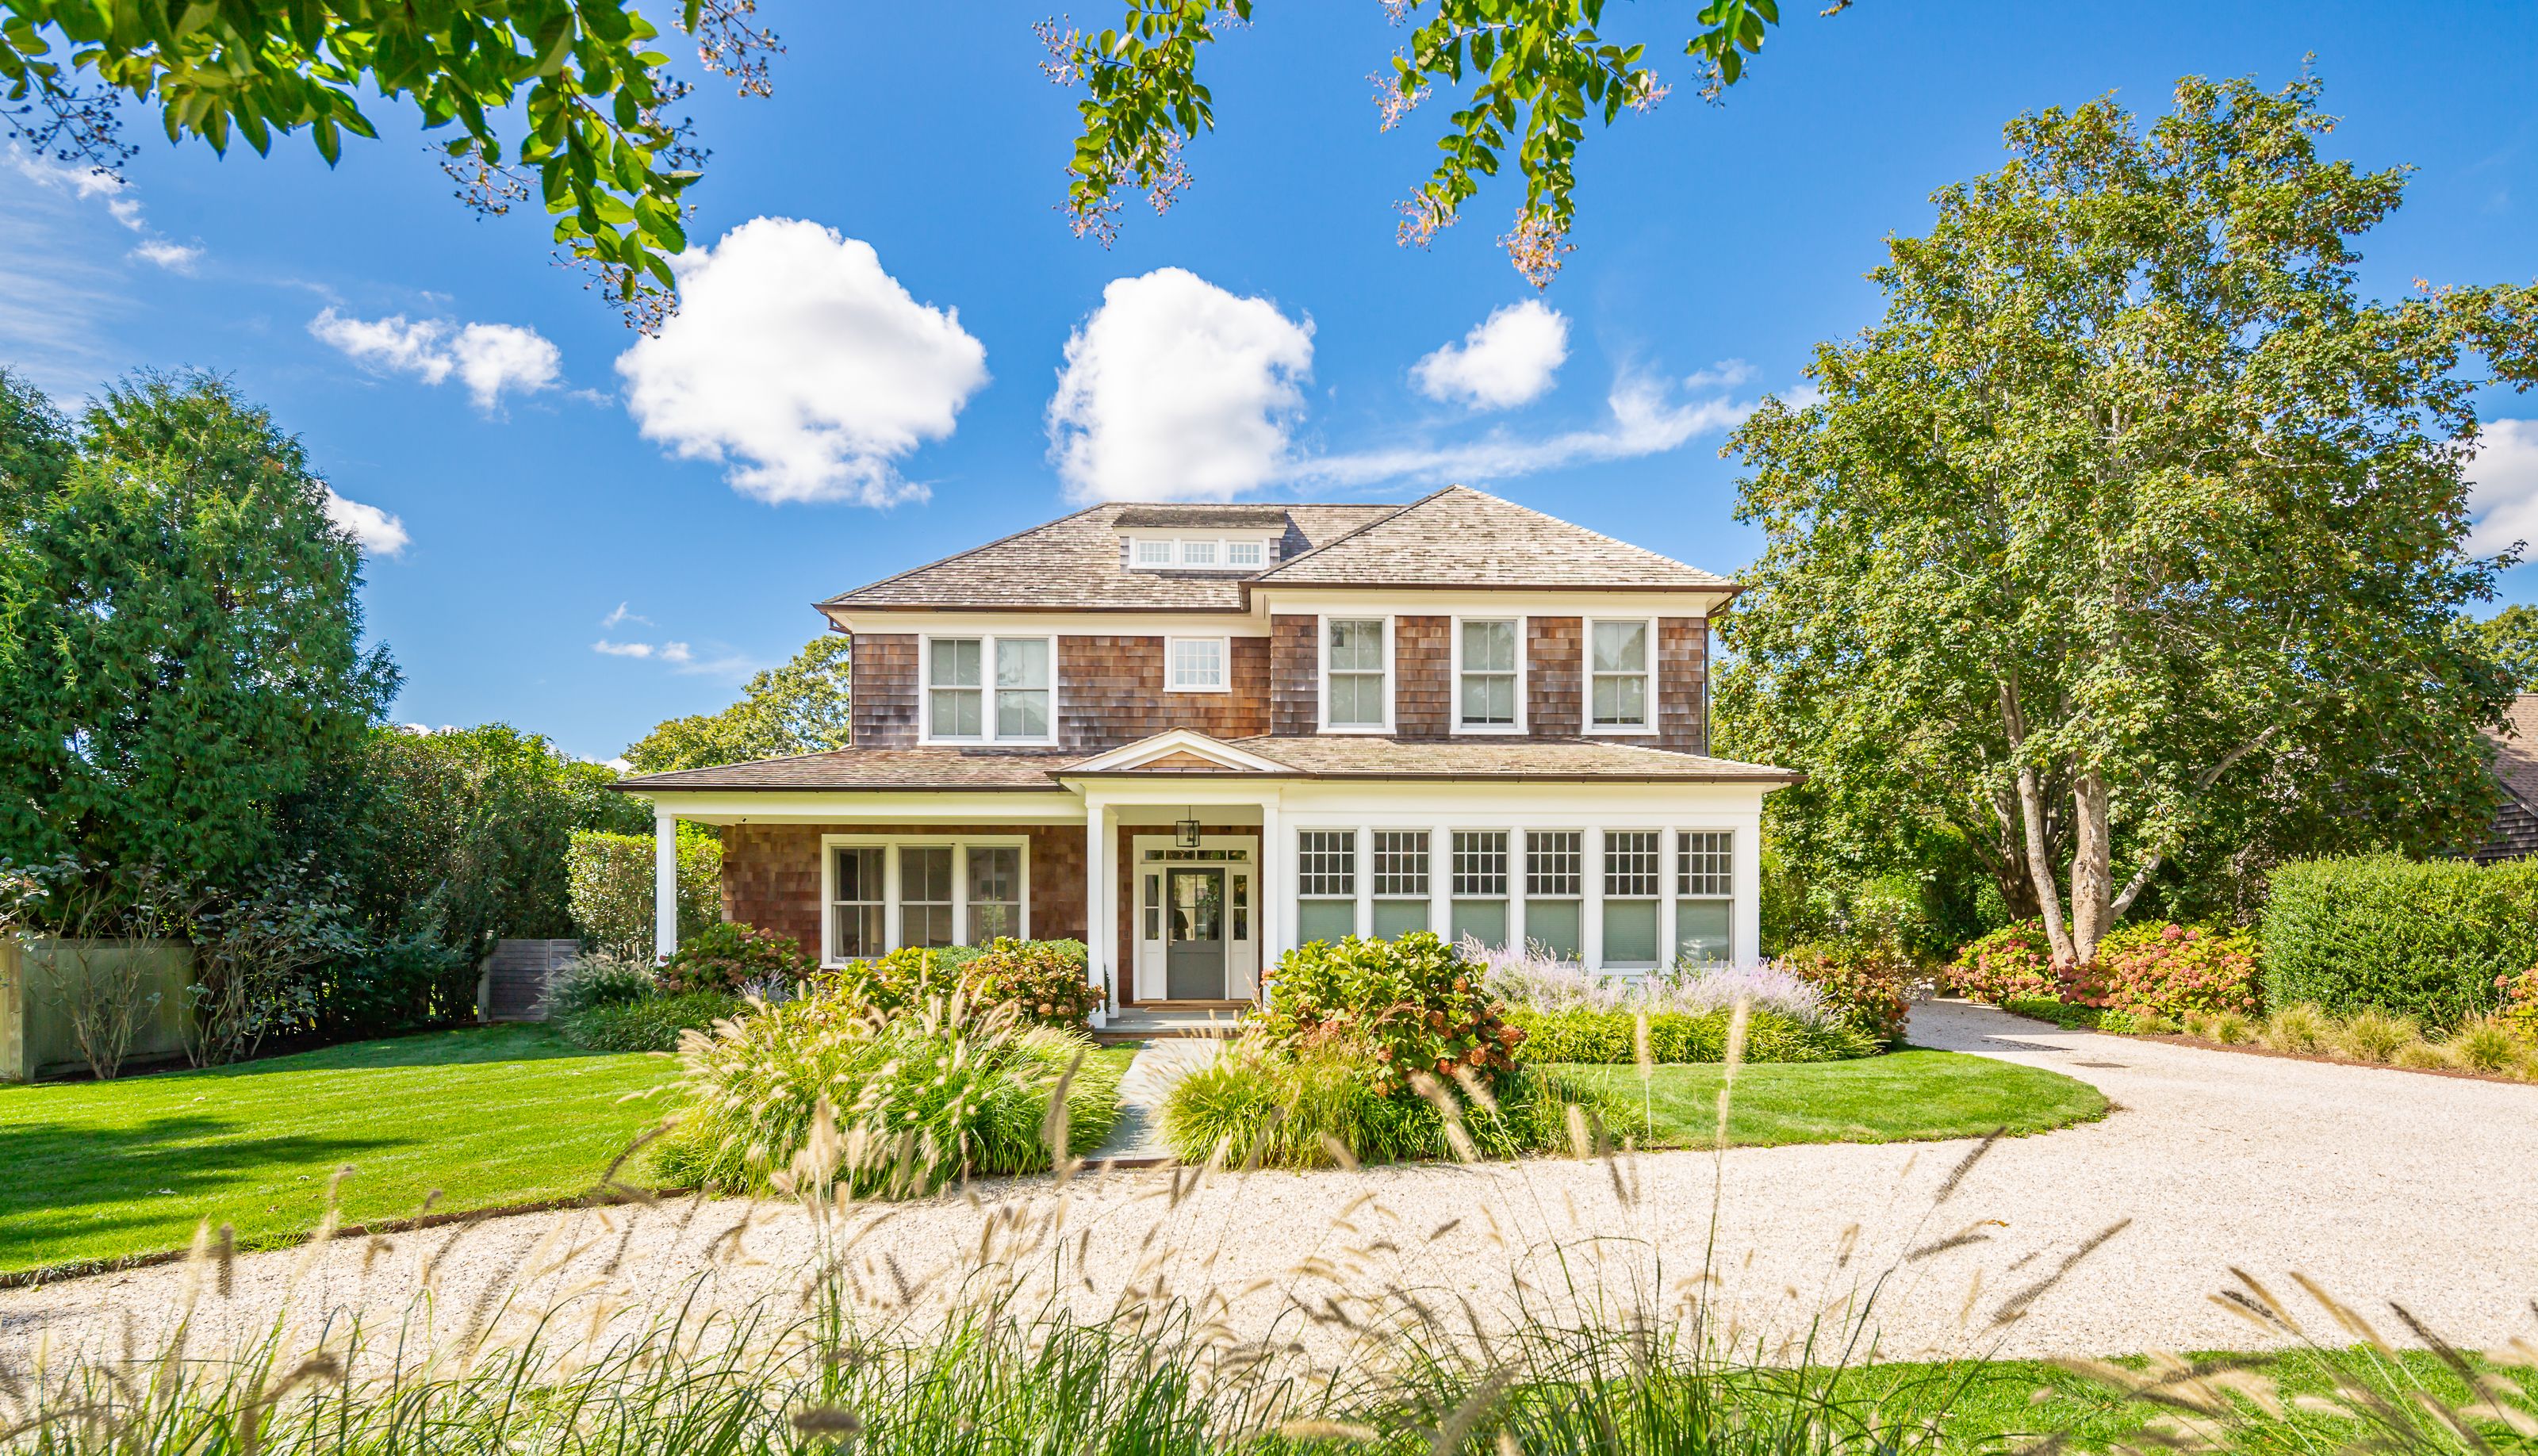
(2040, 868)
(2092, 890)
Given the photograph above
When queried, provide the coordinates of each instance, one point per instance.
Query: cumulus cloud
(1176, 390)
(377, 532)
(2505, 479)
(490, 358)
(799, 363)
(1507, 360)
(1648, 415)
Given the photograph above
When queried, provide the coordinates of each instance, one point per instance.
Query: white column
(1441, 880)
(1270, 920)
(1745, 876)
(1100, 926)
(1364, 880)
(1590, 902)
(665, 883)
(1667, 852)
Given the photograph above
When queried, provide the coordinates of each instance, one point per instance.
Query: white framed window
(1199, 553)
(1705, 896)
(1633, 881)
(1357, 676)
(1246, 553)
(1400, 882)
(1151, 553)
(881, 893)
(1325, 885)
(1555, 890)
(1621, 675)
(1489, 674)
(1195, 664)
(990, 690)
(1479, 907)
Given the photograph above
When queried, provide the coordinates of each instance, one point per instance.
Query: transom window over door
(964, 705)
(1353, 687)
(1618, 687)
(1485, 697)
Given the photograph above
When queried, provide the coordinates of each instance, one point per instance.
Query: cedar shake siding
(881, 691)
(1555, 676)
(770, 874)
(1295, 696)
(1423, 700)
(1682, 667)
(1111, 691)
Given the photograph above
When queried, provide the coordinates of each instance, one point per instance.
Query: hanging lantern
(1185, 832)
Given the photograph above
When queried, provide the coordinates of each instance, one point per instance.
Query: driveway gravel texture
(2382, 1185)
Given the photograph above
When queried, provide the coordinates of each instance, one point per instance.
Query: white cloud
(796, 360)
(85, 182)
(1505, 359)
(2504, 497)
(176, 257)
(665, 651)
(379, 533)
(1647, 418)
(1176, 390)
(625, 612)
(490, 358)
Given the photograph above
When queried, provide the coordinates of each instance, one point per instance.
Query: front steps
(1150, 1022)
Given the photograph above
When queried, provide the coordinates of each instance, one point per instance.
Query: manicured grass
(1900, 1097)
(489, 1117)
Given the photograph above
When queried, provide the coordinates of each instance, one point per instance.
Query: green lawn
(489, 1117)
(1900, 1097)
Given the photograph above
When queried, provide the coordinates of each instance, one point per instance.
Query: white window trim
(1589, 897)
(959, 844)
(1232, 564)
(1604, 896)
(1322, 673)
(1224, 665)
(1183, 554)
(1137, 548)
(987, 686)
(1677, 898)
(1587, 682)
(1427, 901)
(1454, 709)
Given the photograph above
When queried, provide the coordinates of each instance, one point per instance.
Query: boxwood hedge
(2420, 939)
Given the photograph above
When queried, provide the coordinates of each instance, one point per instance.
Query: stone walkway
(1138, 1136)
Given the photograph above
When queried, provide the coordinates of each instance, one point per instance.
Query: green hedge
(2425, 939)
(1580, 1035)
(652, 1024)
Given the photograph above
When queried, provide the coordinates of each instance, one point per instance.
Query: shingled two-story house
(1195, 736)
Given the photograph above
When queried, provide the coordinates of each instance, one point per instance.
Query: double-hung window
(1479, 909)
(1555, 884)
(1634, 880)
(1486, 687)
(1325, 885)
(1196, 665)
(989, 689)
(930, 892)
(925, 895)
(859, 903)
(995, 892)
(1705, 897)
(1354, 657)
(1619, 686)
(1400, 882)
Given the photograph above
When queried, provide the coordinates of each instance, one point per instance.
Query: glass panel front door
(1194, 935)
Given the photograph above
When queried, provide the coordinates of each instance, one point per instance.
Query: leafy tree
(2132, 534)
(797, 708)
(179, 635)
(2510, 637)
(1538, 70)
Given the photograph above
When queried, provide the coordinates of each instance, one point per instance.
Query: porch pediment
(1180, 751)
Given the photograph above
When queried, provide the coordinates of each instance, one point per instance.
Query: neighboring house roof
(1560, 759)
(2515, 765)
(1073, 563)
(1460, 537)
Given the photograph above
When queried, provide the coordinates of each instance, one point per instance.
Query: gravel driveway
(2384, 1185)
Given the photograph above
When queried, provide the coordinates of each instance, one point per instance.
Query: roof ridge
(1355, 532)
(973, 550)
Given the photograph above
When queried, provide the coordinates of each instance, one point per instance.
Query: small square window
(1154, 554)
(1198, 553)
(1197, 665)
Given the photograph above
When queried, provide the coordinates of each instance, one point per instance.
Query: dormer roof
(1462, 537)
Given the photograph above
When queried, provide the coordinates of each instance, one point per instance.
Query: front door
(1194, 935)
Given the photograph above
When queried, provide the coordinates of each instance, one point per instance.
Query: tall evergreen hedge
(2423, 939)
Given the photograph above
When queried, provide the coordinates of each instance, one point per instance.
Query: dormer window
(1198, 553)
(1246, 553)
(1151, 553)
(1194, 552)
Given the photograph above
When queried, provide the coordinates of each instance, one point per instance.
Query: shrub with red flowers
(1042, 980)
(2168, 970)
(732, 958)
(2519, 1009)
(1413, 1004)
(1869, 986)
(2009, 963)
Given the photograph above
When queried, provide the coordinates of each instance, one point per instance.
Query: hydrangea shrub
(1412, 1004)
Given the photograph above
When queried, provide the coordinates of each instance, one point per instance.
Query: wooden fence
(511, 984)
(40, 978)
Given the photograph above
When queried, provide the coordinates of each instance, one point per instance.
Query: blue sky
(446, 374)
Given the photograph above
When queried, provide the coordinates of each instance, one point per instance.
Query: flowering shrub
(2013, 962)
(729, 956)
(1611, 1037)
(1042, 980)
(1413, 1003)
(2168, 971)
(2519, 1002)
(1535, 979)
(1868, 987)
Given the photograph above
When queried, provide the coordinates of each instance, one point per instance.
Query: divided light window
(1325, 885)
(1486, 698)
(925, 895)
(1633, 878)
(1704, 904)
(1478, 908)
(962, 705)
(928, 893)
(1246, 553)
(1151, 553)
(1400, 882)
(1618, 675)
(1555, 886)
(1352, 655)
(859, 905)
(1197, 665)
